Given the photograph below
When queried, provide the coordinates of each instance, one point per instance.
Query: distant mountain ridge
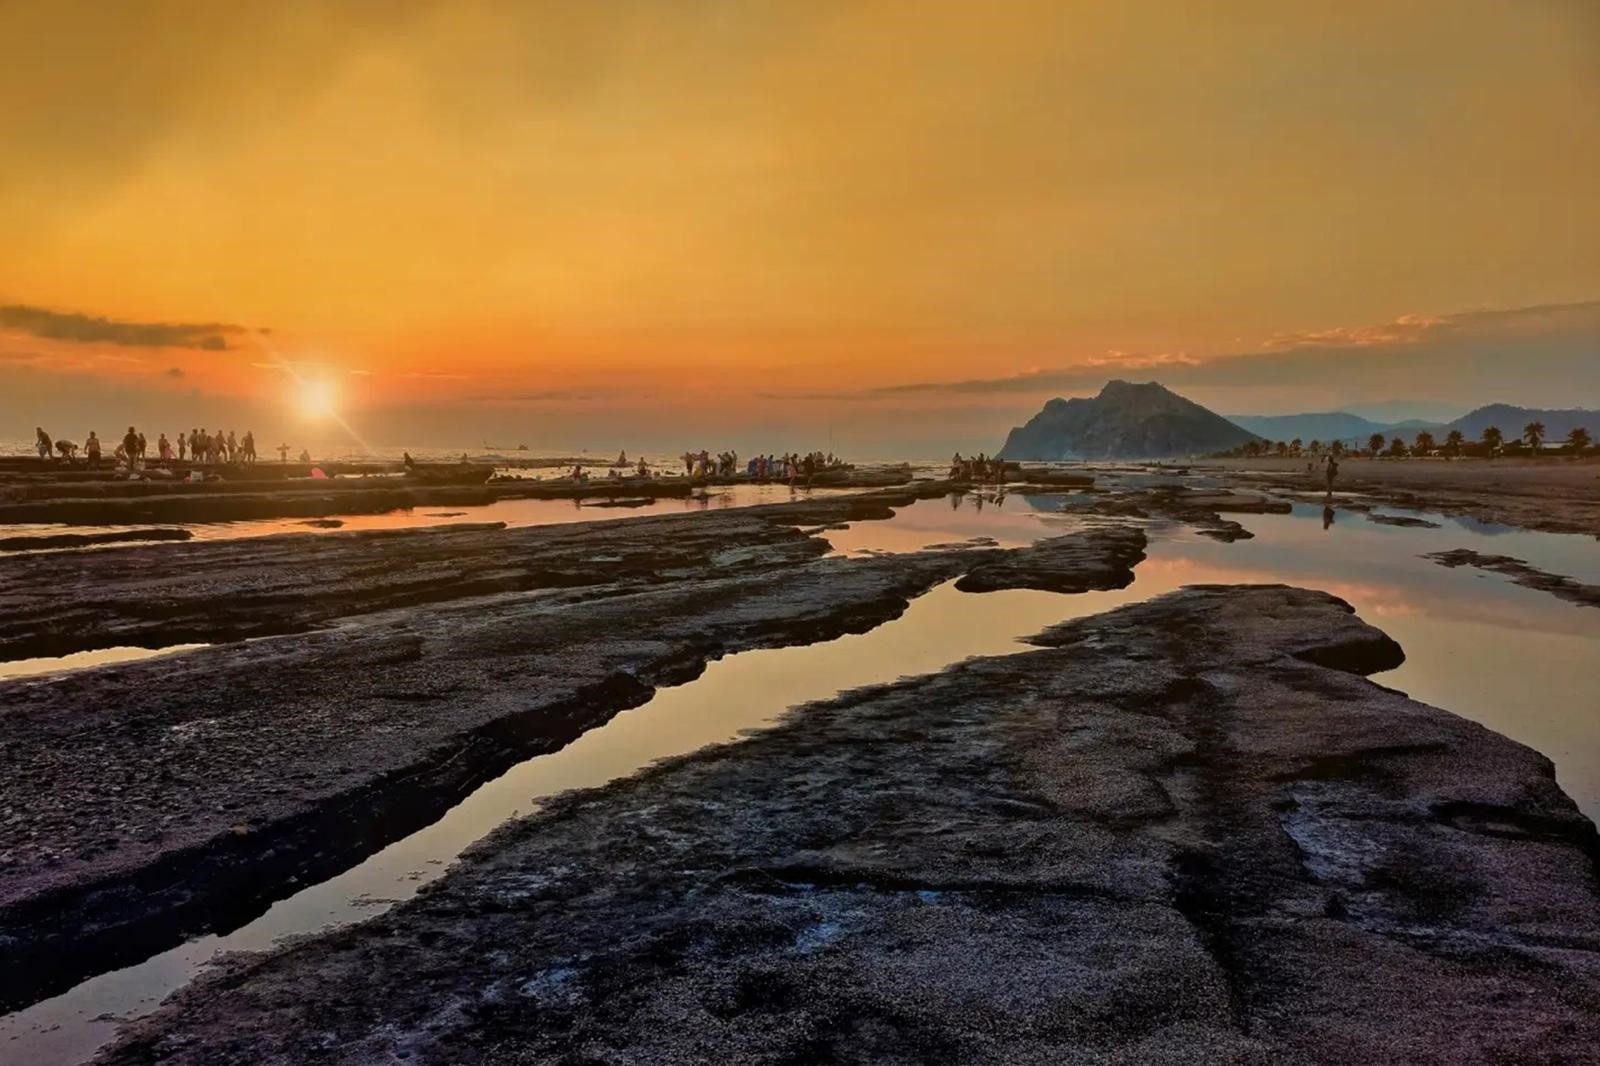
(1125, 421)
(1558, 422)
(1330, 426)
(1326, 426)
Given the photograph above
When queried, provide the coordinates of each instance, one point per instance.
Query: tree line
(1490, 443)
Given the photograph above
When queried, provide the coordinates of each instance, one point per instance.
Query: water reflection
(734, 695)
(514, 513)
(1517, 660)
(82, 660)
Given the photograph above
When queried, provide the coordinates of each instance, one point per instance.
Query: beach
(1188, 769)
(1558, 495)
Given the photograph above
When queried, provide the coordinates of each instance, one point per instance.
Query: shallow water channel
(1516, 659)
(513, 512)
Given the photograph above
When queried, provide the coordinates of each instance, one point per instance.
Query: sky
(884, 227)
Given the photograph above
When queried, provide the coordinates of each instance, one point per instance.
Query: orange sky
(485, 205)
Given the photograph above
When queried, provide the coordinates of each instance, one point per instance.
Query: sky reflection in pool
(1516, 659)
(514, 512)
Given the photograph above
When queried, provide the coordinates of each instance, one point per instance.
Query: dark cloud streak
(1487, 351)
(90, 329)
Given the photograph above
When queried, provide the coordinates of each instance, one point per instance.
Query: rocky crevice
(1018, 859)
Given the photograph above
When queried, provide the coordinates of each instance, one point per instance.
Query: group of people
(976, 468)
(196, 446)
(791, 466)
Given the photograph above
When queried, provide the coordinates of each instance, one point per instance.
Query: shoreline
(1550, 495)
(975, 905)
(445, 655)
(199, 825)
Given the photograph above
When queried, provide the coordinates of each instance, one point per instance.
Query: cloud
(1476, 355)
(574, 394)
(1133, 361)
(1407, 329)
(90, 329)
(292, 366)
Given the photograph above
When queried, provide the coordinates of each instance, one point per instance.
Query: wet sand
(1554, 495)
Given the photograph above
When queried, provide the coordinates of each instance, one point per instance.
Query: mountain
(1326, 426)
(1510, 420)
(1126, 421)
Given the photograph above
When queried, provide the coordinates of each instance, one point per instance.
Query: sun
(317, 399)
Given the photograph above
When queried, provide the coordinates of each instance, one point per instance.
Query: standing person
(233, 447)
(1332, 471)
(183, 443)
(43, 442)
(91, 449)
(283, 453)
(164, 448)
(249, 446)
(142, 446)
(130, 447)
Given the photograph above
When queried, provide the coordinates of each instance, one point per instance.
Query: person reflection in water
(1327, 515)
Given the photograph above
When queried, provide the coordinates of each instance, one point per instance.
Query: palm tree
(1281, 448)
(1397, 448)
(1453, 441)
(1316, 447)
(1375, 443)
(1578, 440)
(1424, 442)
(1295, 446)
(1337, 447)
(1492, 438)
(1533, 433)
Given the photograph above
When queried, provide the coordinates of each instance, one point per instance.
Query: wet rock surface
(1554, 496)
(49, 541)
(1200, 509)
(1184, 831)
(1077, 562)
(1521, 573)
(35, 492)
(148, 801)
(211, 591)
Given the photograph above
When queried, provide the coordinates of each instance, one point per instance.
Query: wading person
(91, 449)
(42, 440)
